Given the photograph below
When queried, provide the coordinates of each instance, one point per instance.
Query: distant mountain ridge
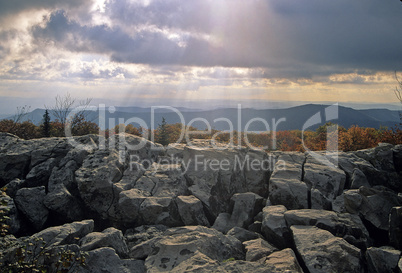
(286, 119)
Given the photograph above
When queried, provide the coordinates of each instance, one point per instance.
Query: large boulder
(258, 249)
(345, 225)
(65, 234)
(291, 193)
(323, 252)
(382, 260)
(177, 245)
(160, 210)
(395, 227)
(39, 175)
(358, 179)
(243, 208)
(329, 181)
(30, 201)
(243, 235)
(96, 180)
(283, 261)
(64, 204)
(105, 259)
(64, 175)
(373, 205)
(15, 156)
(168, 180)
(110, 237)
(274, 227)
(213, 175)
(129, 205)
(191, 211)
(285, 185)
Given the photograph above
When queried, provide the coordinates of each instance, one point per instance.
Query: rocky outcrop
(323, 252)
(30, 201)
(199, 208)
(384, 259)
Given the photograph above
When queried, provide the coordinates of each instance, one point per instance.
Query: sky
(144, 52)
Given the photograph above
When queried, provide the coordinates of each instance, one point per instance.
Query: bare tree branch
(65, 104)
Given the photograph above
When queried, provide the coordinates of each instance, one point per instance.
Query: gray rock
(45, 148)
(79, 153)
(291, 193)
(191, 211)
(39, 175)
(256, 177)
(245, 207)
(329, 181)
(30, 201)
(352, 200)
(64, 204)
(395, 227)
(258, 249)
(289, 166)
(338, 205)
(160, 210)
(129, 205)
(345, 225)
(175, 151)
(168, 180)
(376, 206)
(348, 162)
(96, 178)
(106, 260)
(223, 223)
(399, 270)
(15, 156)
(382, 259)
(215, 175)
(65, 234)
(110, 237)
(274, 227)
(382, 159)
(283, 261)
(64, 175)
(131, 177)
(143, 233)
(358, 179)
(323, 252)
(320, 201)
(144, 183)
(143, 250)
(178, 245)
(139, 148)
(243, 235)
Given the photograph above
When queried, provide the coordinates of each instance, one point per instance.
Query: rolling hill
(285, 119)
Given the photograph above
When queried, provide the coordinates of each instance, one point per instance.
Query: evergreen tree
(46, 124)
(163, 134)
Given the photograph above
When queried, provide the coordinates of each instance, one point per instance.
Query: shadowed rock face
(196, 208)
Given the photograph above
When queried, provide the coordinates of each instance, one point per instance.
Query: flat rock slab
(323, 252)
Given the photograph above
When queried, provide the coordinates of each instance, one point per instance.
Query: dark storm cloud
(357, 34)
(11, 7)
(145, 47)
(288, 38)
